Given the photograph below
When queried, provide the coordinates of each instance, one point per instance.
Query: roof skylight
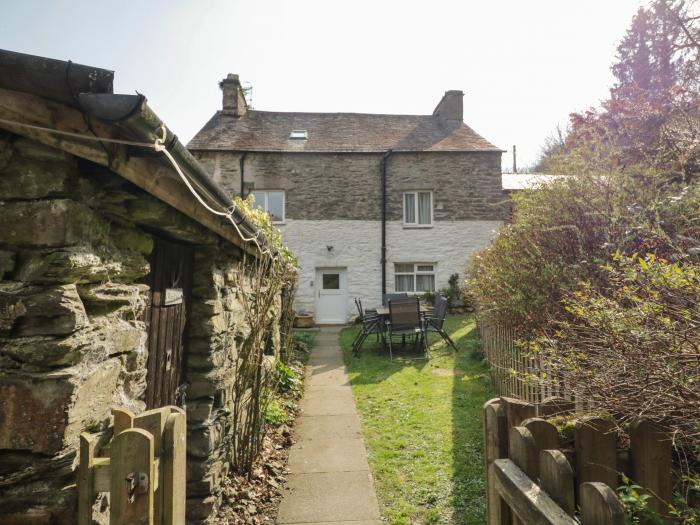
(299, 134)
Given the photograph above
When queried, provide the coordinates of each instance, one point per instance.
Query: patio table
(383, 311)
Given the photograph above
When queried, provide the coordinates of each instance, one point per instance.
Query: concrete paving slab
(328, 402)
(323, 375)
(330, 455)
(327, 427)
(329, 496)
(330, 481)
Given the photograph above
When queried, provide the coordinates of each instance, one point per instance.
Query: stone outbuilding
(117, 287)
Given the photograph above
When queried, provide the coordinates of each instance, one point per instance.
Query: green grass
(422, 425)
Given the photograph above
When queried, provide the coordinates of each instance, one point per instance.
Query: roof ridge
(335, 113)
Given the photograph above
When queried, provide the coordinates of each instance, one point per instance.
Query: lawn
(422, 425)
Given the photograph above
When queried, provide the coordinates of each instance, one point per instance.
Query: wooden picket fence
(143, 468)
(533, 477)
(517, 372)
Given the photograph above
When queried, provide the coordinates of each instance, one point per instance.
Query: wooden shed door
(170, 281)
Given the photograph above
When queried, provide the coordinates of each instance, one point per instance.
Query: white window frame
(263, 204)
(298, 134)
(416, 224)
(415, 273)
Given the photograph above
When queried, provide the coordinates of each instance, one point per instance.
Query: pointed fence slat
(174, 468)
(86, 487)
(595, 442)
(651, 451)
(600, 505)
(545, 434)
(557, 479)
(496, 447)
(522, 449)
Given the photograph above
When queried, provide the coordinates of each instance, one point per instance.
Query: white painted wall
(356, 246)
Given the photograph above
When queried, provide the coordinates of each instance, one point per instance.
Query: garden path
(329, 479)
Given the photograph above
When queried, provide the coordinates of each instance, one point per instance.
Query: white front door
(331, 302)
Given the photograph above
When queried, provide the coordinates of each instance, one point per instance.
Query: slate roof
(335, 132)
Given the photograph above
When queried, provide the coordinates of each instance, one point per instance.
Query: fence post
(557, 479)
(174, 468)
(495, 447)
(651, 449)
(86, 485)
(600, 505)
(132, 455)
(595, 443)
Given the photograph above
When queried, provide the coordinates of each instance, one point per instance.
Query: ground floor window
(414, 277)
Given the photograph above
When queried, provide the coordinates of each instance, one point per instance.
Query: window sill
(417, 226)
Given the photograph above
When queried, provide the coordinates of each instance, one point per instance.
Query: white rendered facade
(356, 247)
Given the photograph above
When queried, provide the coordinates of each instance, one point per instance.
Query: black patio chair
(436, 319)
(393, 296)
(371, 324)
(405, 320)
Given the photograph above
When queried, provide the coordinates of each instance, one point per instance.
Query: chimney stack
(450, 110)
(234, 102)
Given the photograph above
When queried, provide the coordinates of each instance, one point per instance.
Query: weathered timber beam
(146, 173)
(527, 501)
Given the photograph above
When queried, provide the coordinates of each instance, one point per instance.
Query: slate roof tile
(335, 132)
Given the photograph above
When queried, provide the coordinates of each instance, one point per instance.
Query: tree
(651, 116)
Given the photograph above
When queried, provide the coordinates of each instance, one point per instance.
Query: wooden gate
(143, 468)
(166, 317)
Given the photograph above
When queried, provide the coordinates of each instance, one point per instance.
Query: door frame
(318, 283)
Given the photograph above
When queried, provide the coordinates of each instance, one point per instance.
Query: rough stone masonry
(75, 241)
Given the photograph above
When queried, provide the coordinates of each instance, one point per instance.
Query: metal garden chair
(405, 320)
(393, 296)
(371, 324)
(435, 321)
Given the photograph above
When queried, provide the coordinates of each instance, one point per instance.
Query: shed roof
(336, 133)
(77, 93)
(526, 181)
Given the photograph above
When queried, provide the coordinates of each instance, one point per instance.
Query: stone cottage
(370, 204)
(117, 287)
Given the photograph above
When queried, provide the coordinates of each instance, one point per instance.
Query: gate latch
(136, 484)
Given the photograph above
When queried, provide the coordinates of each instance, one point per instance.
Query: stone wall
(74, 247)
(466, 186)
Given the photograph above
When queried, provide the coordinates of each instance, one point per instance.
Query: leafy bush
(275, 414)
(453, 293)
(632, 341)
(288, 380)
(564, 232)
(306, 337)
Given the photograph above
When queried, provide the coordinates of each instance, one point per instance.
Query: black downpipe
(385, 158)
(241, 168)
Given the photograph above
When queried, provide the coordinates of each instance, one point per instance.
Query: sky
(524, 66)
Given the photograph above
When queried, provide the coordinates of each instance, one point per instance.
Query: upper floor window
(418, 208)
(414, 277)
(272, 202)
